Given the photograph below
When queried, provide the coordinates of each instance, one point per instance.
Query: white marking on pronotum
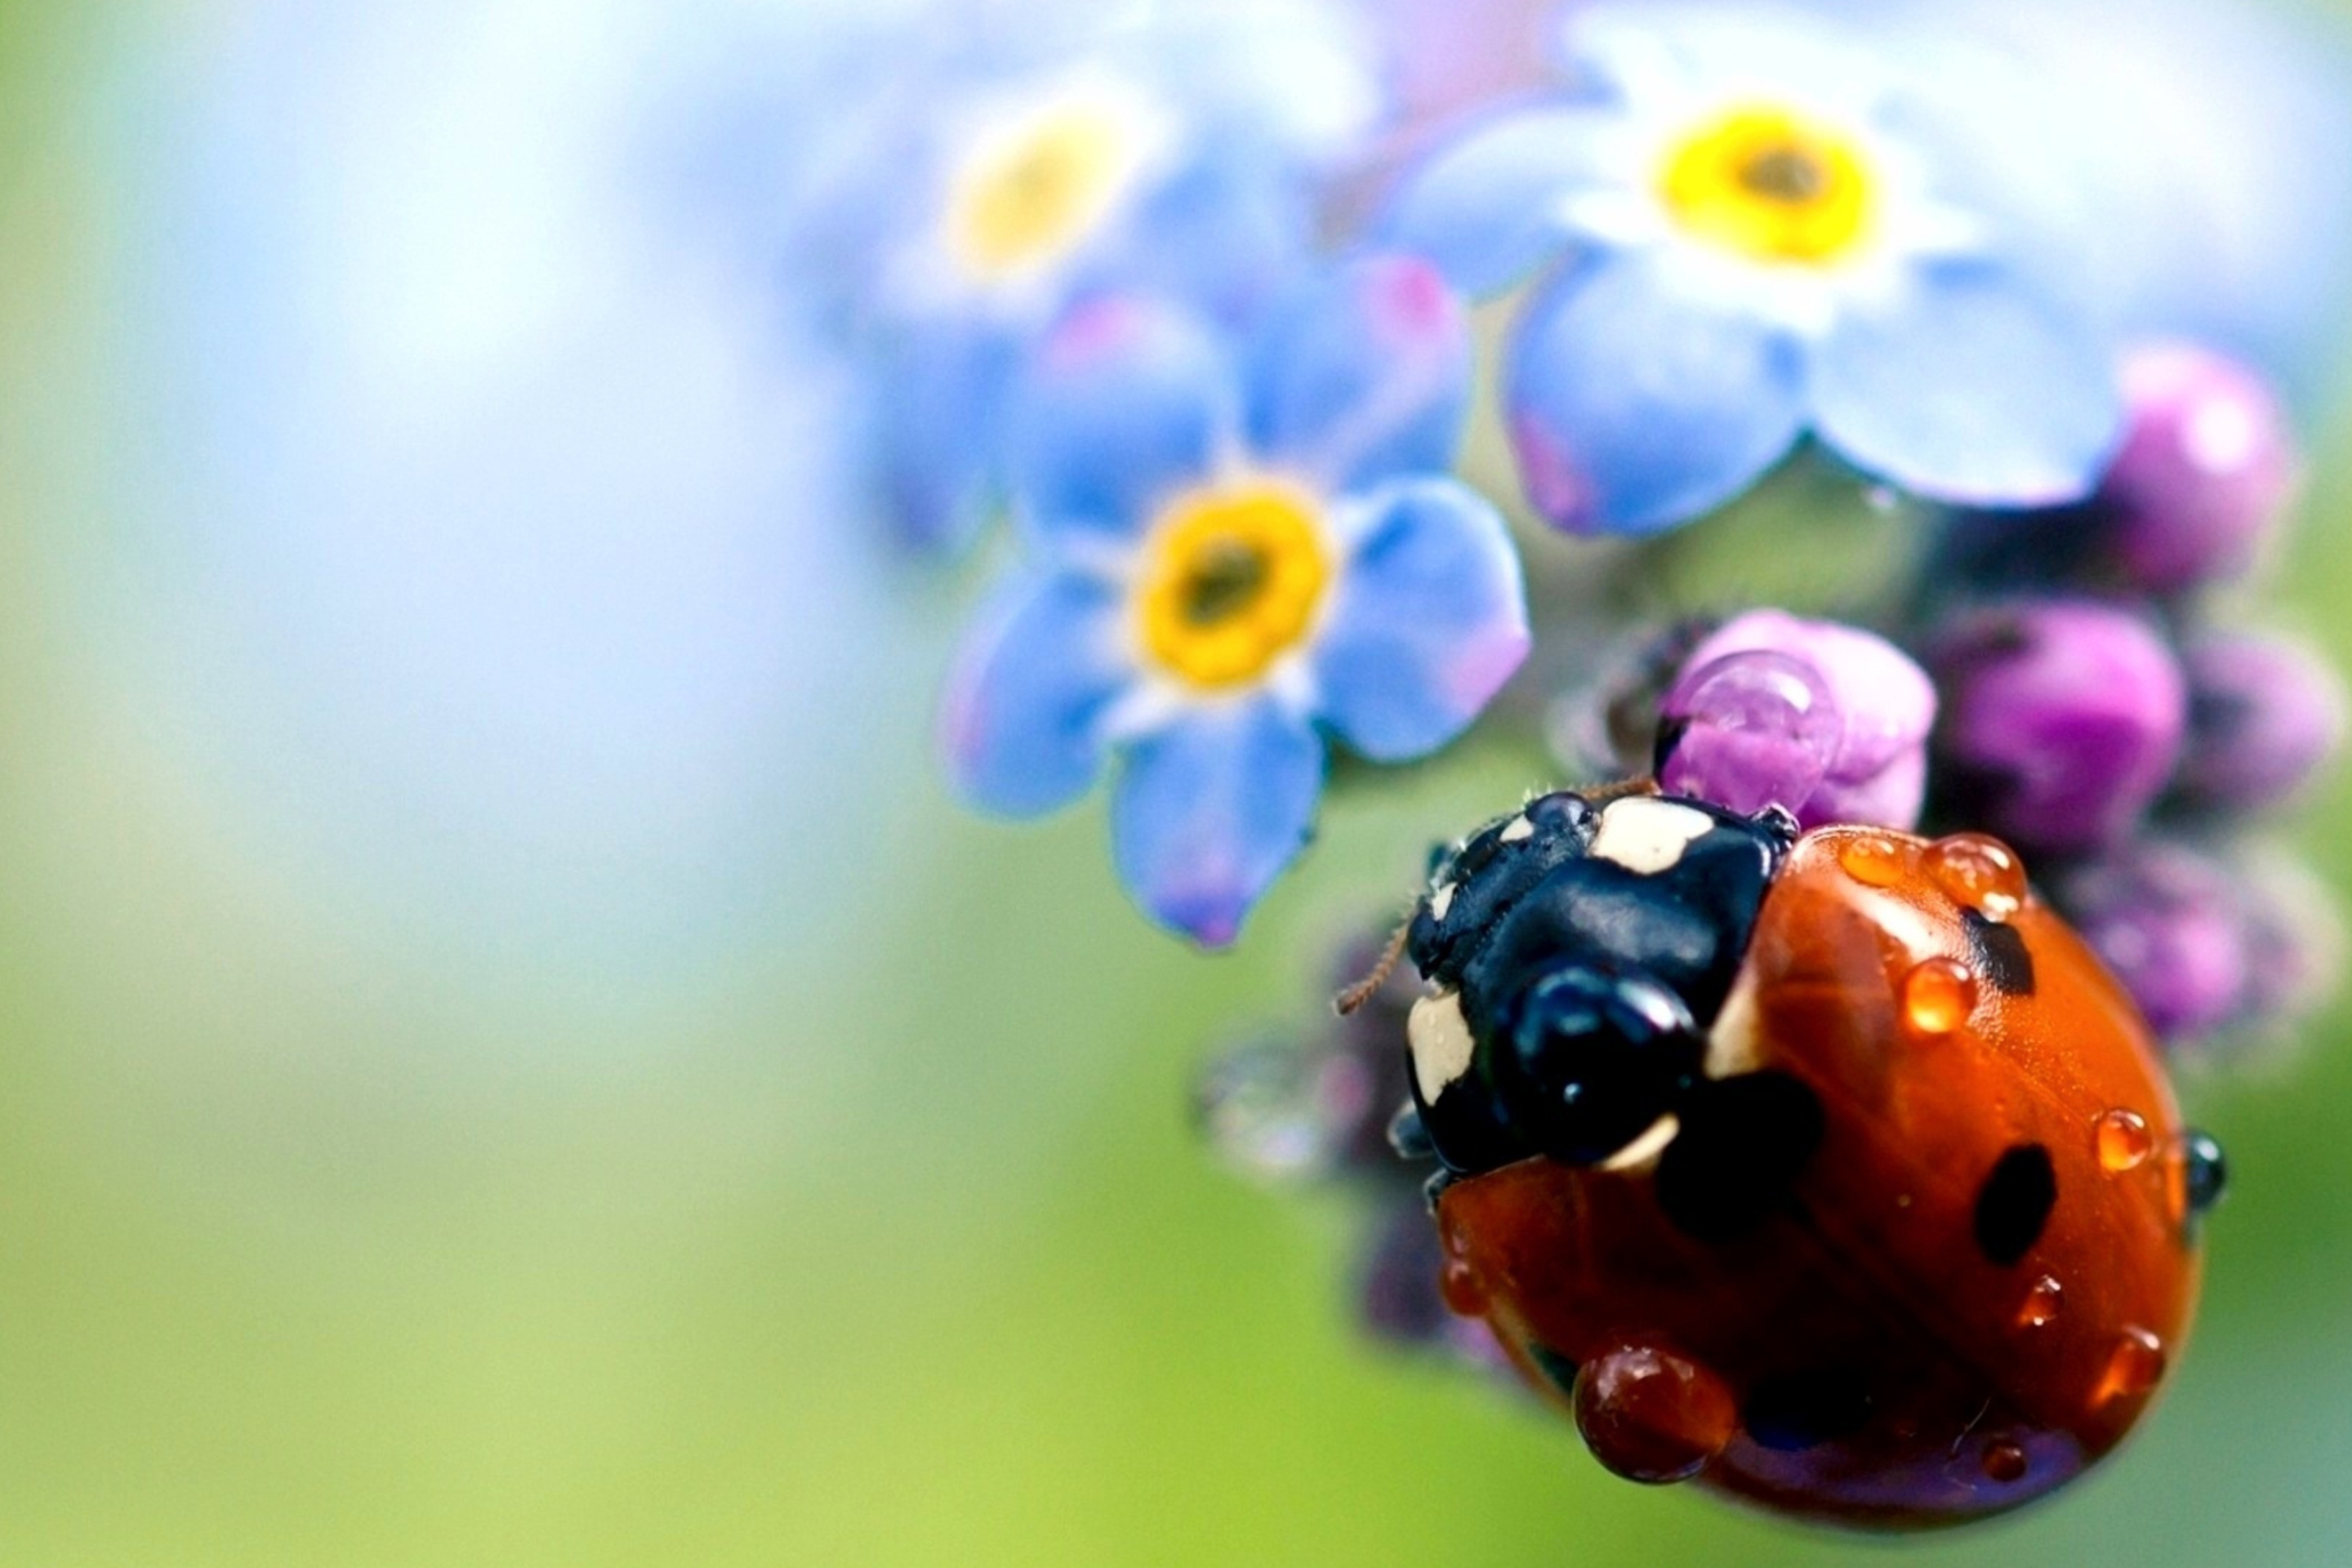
(1647, 836)
(1644, 1151)
(1518, 828)
(1440, 901)
(1735, 1044)
(1441, 1044)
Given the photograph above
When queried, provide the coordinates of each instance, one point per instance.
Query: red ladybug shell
(1965, 1296)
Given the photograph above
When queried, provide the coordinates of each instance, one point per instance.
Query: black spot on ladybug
(1743, 1142)
(1787, 1414)
(2014, 1203)
(1559, 1371)
(2001, 955)
(2208, 1171)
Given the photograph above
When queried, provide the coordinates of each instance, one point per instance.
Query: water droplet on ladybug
(1978, 873)
(1464, 1296)
(1938, 994)
(1872, 859)
(2123, 1140)
(2004, 1461)
(2134, 1366)
(2041, 1305)
(1651, 1416)
(2207, 1173)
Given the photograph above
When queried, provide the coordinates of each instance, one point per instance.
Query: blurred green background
(805, 1180)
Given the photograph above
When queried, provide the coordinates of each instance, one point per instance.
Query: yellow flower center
(1032, 192)
(1233, 576)
(1773, 186)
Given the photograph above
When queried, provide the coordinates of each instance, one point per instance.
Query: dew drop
(1276, 1110)
(1872, 859)
(2123, 1140)
(1938, 994)
(2134, 1366)
(1459, 1284)
(2204, 1170)
(2041, 1306)
(2004, 1461)
(1651, 1416)
(1978, 873)
(1749, 729)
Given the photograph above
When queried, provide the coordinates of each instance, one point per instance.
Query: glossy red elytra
(1821, 1169)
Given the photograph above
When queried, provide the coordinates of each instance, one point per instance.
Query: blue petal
(1485, 208)
(1364, 375)
(1635, 404)
(1208, 812)
(1427, 623)
(939, 396)
(1220, 236)
(1022, 728)
(1971, 387)
(1130, 400)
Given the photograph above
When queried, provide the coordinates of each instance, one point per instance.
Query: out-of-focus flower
(2063, 720)
(1764, 234)
(2202, 481)
(1318, 1104)
(2207, 946)
(1232, 551)
(2206, 151)
(2263, 715)
(2166, 921)
(1827, 721)
(1449, 56)
(2205, 470)
(1160, 147)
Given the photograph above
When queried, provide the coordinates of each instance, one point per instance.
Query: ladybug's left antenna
(1363, 990)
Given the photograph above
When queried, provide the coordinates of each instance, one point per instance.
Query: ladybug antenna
(1646, 784)
(1363, 990)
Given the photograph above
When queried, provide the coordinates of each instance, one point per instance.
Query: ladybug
(1829, 1169)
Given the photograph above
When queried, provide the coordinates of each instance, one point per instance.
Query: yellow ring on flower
(1770, 183)
(1031, 193)
(1233, 577)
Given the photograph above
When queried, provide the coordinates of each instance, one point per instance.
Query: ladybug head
(1577, 953)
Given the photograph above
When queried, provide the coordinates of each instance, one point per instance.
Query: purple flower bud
(1747, 730)
(2166, 921)
(1823, 719)
(2063, 720)
(2207, 465)
(1399, 1298)
(2263, 715)
(2206, 947)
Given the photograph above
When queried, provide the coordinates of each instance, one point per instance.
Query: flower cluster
(1748, 273)
(1171, 293)
(1231, 550)
(2107, 717)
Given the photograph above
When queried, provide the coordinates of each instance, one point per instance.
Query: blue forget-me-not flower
(1167, 147)
(1233, 552)
(1757, 230)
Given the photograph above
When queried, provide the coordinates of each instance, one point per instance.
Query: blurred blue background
(507, 1055)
